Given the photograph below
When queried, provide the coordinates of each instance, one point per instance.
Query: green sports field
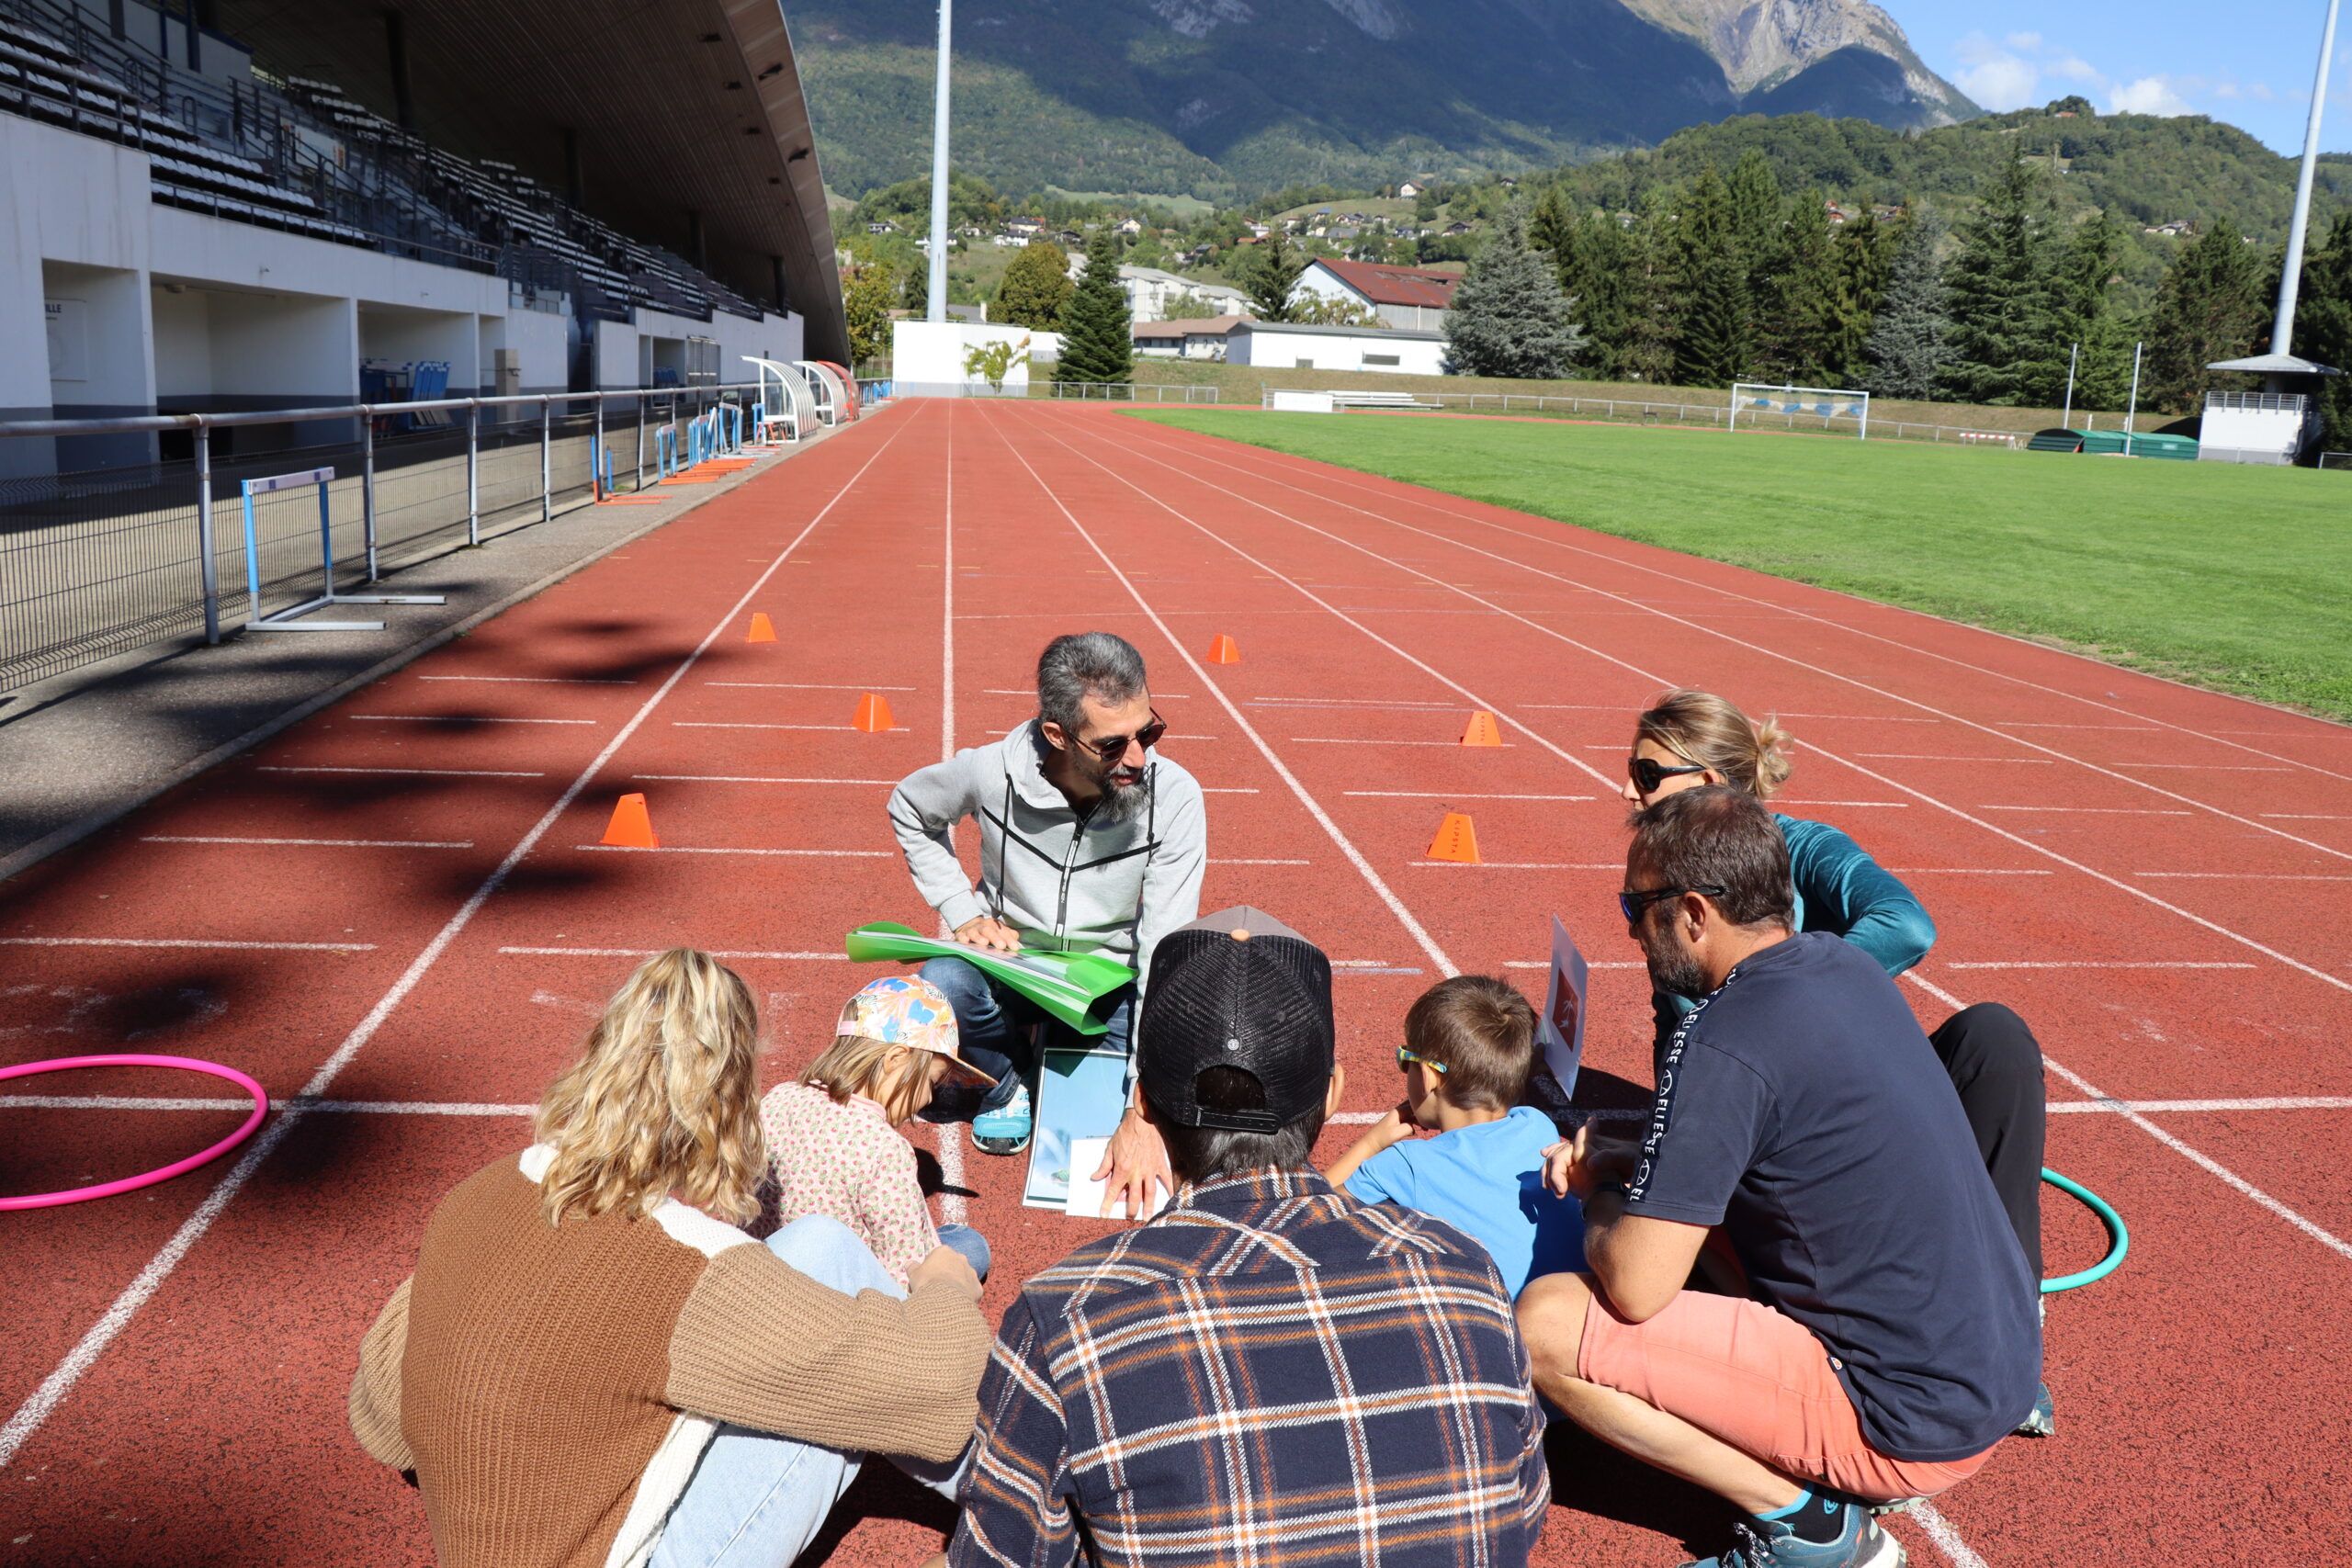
(2234, 577)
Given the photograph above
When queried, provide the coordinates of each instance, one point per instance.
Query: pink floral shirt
(847, 1161)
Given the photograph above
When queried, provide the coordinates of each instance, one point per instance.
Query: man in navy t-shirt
(1889, 1337)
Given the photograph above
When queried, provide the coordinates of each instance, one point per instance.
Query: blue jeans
(760, 1498)
(995, 1031)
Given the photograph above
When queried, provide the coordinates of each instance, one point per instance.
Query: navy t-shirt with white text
(1802, 1108)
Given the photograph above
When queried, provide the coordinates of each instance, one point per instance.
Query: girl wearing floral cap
(833, 1145)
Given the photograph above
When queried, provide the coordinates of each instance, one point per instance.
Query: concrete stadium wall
(111, 305)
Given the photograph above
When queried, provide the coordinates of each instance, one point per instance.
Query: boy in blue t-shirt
(1469, 1046)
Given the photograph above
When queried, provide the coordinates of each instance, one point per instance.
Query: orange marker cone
(630, 828)
(1225, 651)
(1455, 841)
(872, 714)
(1482, 730)
(763, 629)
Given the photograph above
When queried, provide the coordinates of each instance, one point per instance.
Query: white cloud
(2149, 95)
(2074, 69)
(2025, 43)
(1997, 77)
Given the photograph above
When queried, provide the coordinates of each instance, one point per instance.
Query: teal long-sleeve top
(1841, 890)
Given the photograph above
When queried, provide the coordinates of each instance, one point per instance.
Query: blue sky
(2248, 63)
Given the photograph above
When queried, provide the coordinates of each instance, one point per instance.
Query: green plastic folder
(1075, 987)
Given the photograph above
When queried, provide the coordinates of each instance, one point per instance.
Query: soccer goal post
(1825, 403)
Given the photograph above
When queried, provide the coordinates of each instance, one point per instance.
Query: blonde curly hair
(663, 1100)
(1702, 728)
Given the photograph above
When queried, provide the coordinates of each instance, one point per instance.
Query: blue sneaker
(1005, 1130)
(1772, 1543)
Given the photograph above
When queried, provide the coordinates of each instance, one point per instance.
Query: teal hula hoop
(2119, 1239)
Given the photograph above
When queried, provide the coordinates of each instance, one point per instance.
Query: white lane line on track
(1224, 861)
(1547, 964)
(1406, 491)
(200, 943)
(2168, 1107)
(807, 686)
(1523, 864)
(1897, 784)
(31, 1414)
(322, 843)
(452, 718)
(1388, 896)
(2249, 875)
(650, 952)
(1351, 741)
(2211, 767)
(1455, 795)
(2307, 817)
(1941, 757)
(1875, 805)
(1352, 703)
(948, 1136)
(407, 773)
(844, 729)
(2211, 1165)
(533, 679)
(1207, 790)
(708, 849)
(1968, 871)
(1323, 496)
(755, 778)
(2099, 810)
(2097, 964)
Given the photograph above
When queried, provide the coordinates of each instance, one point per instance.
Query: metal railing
(105, 559)
(1632, 411)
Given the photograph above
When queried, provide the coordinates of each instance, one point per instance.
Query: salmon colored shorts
(1759, 1381)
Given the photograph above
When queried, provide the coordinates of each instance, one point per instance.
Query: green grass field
(2234, 577)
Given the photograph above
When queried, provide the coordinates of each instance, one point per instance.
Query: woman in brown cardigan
(593, 1366)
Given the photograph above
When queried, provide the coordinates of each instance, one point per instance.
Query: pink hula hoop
(161, 1173)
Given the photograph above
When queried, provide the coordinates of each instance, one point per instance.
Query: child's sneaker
(1005, 1130)
(1774, 1543)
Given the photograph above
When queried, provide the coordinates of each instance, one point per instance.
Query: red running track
(398, 909)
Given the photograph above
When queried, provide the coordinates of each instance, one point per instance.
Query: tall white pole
(2072, 353)
(2132, 410)
(938, 293)
(2282, 326)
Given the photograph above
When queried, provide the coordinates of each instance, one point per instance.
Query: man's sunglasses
(1110, 748)
(1413, 1058)
(1647, 775)
(1630, 904)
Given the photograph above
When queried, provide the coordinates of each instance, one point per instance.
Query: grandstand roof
(688, 105)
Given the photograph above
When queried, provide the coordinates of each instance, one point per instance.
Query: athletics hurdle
(283, 620)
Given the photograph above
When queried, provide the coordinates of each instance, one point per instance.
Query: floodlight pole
(2132, 411)
(2290, 276)
(2067, 418)
(936, 305)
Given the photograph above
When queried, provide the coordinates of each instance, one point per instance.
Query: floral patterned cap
(906, 1010)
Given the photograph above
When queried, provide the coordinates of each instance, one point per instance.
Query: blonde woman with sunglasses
(594, 1363)
(1687, 738)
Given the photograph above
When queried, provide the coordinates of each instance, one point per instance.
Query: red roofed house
(1410, 297)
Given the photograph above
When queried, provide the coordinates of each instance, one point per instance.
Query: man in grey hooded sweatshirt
(1088, 841)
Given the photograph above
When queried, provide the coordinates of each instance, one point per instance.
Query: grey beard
(1121, 802)
(1677, 972)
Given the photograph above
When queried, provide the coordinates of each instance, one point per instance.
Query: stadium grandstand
(240, 205)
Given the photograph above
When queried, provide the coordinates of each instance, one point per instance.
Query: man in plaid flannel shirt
(1270, 1373)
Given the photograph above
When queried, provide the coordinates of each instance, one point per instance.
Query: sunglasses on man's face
(1647, 775)
(1630, 904)
(1415, 1059)
(1110, 748)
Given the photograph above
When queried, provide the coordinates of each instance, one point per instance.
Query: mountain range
(1224, 99)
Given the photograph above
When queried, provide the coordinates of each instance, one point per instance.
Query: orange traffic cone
(763, 629)
(1225, 651)
(1455, 841)
(630, 828)
(872, 714)
(1482, 730)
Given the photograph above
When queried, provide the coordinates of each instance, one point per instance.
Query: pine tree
(872, 289)
(1551, 229)
(1801, 296)
(1272, 273)
(2082, 323)
(1650, 306)
(1716, 337)
(1598, 278)
(1507, 317)
(2001, 327)
(1863, 256)
(2210, 307)
(916, 292)
(1097, 344)
(1910, 341)
(1036, 288)
(2323, 329)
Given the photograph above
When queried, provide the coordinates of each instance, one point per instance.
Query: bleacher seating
(297, 154)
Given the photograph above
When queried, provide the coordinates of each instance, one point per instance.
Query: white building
(1416, 297)
(1203, 339)
(1150, 292)
(1293, 346)
(2271, 426)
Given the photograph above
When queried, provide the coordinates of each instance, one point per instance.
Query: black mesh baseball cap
(1238, 988)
